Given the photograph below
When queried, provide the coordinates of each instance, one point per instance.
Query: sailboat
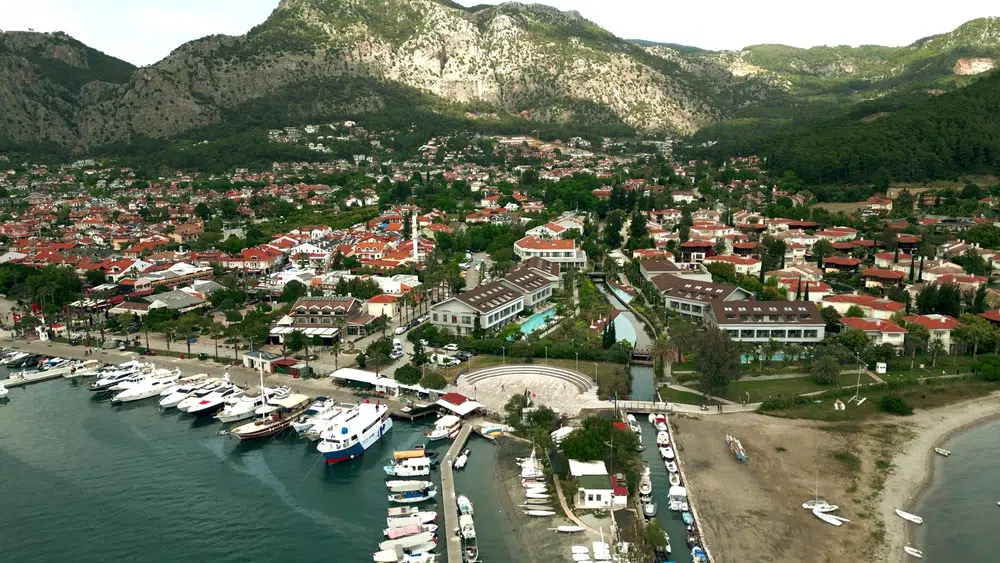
(816, 502)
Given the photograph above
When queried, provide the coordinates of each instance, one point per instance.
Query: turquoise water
(960, 509)
(623, 295)
(624, 329)
(750, 358)
(98, 483)
(534, 322)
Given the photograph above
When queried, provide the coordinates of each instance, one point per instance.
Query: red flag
(35, 308)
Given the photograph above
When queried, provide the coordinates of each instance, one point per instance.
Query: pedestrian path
(696, 392)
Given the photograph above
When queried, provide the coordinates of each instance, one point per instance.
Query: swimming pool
(534, 322)
(621, 293)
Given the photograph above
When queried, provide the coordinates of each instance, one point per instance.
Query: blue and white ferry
(355, 432)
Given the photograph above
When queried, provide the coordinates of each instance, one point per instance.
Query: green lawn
(674, 396)
(762, 389)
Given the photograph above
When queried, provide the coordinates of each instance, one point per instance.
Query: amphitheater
(563, 390)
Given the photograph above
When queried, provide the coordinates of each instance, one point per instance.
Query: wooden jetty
(30, 378)
(449, 502)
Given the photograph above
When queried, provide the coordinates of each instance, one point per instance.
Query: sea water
(960, 508)
(91, 482)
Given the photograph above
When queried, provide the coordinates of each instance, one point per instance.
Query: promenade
(449, 502)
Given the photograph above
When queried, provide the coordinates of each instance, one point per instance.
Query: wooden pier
(414, 412)
(449, 504)
(30, 378)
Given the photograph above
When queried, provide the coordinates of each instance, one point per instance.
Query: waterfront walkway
(449, 503)
(565, 507)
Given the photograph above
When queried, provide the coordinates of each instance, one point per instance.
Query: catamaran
(356, 432)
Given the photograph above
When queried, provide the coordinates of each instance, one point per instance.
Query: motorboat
(326, 421)
(397, 486)
(197, 396)
(662, 439)
(462, 459)
(354, 432)
(464, 505)
(242, 407)
(675, 479)
(144, 390)
(113, 378)
(444, 427)
(320, 406)
(649, 509)
(412, 497)
(184, 382)
(13, 357)
(671, 466)
(645, 484)
(407, 542)
(942, 452)
(910, 517)
(412, 467)
(913, 552)
(416, 554)
(85, 368)
(403, 531)
(211, 403)
(182, 392)
(698, 555)
(667, 453)
(4, 391)
(278, 418)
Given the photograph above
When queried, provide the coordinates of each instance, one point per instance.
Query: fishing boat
(412, 467)
(417, 451)
(403, 531)
(404, 486)
(444, 427)
(913, 552)
(467, 530)
(416, 518)
(275, 420)
(413, 497)
(911, 517)
(407, 542)
(942, 451)
(464, 505)
(698, 555)
(540, 513)
(355, 432)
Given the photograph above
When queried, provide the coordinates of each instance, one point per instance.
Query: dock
(396, 410)
(448, 496)
(30, 378)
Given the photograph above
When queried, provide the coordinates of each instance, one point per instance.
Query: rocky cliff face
(327, 57)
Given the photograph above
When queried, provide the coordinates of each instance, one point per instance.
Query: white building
(594, 490)
(790, 322)
(560, 251)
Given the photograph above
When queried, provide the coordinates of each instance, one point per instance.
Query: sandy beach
(913, 468)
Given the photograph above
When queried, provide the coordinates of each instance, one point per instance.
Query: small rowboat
(911, 517)
(540, 512)
(941, 451)
(569, 530)
(914, 552)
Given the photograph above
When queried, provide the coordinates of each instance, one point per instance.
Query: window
(685, 307)
(674, 305)
(746, 334)
(763, 333)
(794, 334)
(434, 317)
(326, 320)
(300, 320)
(313, 320)
(466, 320)
(733, 333)
(454, 319)
(695, 308)
(777, 334)
(811, 333)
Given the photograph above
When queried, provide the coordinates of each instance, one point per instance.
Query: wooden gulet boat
(284, 413)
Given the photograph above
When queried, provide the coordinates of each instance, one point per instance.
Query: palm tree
(771, 347)
(662, 348)
(336, 352)
(792, 353)
(170, 335)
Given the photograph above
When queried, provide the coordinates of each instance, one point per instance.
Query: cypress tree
(895, 256)
(912, 264)
(921, 277)
(762, 271)
(807, 292)
(798, 290)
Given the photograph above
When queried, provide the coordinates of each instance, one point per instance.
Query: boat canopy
(290, 401)
(679, 492)
(447, 421)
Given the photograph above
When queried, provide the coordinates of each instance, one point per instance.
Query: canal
(669, 520)
(627, 325)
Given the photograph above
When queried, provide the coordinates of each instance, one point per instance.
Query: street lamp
(577, 362)
(546, 355)
(503, 354)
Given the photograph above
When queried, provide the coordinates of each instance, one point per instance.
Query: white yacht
(3, 391)
(114, 375)
(444, 427)
(143, 376)
(146, 389)
(183, 402)
(86, 368)
(178, 393)
(319, 407)
(242, 407)
(211, 403)
(322, 424)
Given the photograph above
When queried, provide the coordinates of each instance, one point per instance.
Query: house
(744, 265)
(595, 491)
(873, 307)
(789, 322)
(692, 298)
(656, 266)
(939, 327)
(323, 317)
(834, 264)
(384, 305)
(875, 277)
(879, 331)
(257, 259)
(696, 250)
(683, 197)
(488, 306)
(814, 291)
(560, 251)
(186, 233)
(879, 204)
(260, 360)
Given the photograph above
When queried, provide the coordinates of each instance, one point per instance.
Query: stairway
(580, 381)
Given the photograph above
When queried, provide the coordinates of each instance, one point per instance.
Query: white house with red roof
(384, 305)
(877, 277)
(744, 265)
(873, 307)
(817, 290)
(939, 327)
(559, 251)
(838, 234)
(879, 331)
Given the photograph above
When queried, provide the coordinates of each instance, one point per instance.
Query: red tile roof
(872, 325)
(883, 274)
(933, 322)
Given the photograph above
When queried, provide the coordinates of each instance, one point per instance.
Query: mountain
(408, 59)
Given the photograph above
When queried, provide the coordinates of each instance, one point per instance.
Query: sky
(145, 31)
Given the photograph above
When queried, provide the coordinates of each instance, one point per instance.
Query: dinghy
(532, 495)
(911, 517)
(535, 507)
(914, 552)
(536, 501)
(942, 451)
(540, 512)
(569, 530)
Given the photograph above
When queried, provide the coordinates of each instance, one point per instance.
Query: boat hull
(358, 448)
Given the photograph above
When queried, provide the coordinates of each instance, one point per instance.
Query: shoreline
(914, 466)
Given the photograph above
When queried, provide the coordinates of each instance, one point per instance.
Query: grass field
(674, 396)
(762, 389)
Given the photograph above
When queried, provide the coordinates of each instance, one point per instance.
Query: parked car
(450, 347)
(401, 329)
(451, 362)
(472, 353)
(423, 318)
(396, 354)
(412, 323)
(462, 356)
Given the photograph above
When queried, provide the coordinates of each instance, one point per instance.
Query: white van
(396, 344)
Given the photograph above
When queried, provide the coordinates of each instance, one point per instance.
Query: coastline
(914, 466)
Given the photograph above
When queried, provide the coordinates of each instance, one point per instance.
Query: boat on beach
(913, 552)
(569, 529)
(910, 517)
(278, 419)
(540, 513)
(942, 452)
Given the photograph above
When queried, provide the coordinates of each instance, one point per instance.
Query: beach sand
(913, 467)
